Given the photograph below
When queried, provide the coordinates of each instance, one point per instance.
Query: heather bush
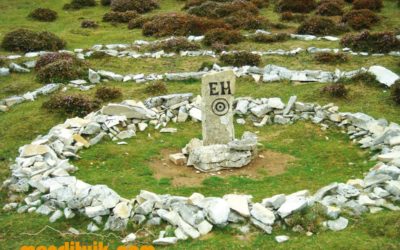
(395, 92)
(318, 26)
(25, 40)
(336, 90)
(177, 24)
(88, 24)
(53, 57)
(223, 9)
(365, 78)
(247, 21)
(79, 4)
(331, 58)
(273, 38)
(156, 88)
(241, 58)
(120, 17)
(108, 93)
(99, 55)
(375, 5)
(44, 15)
(360, 19)
(297, 6)
(71, 104)
(224, 36)
(62, 71)
(219, 47)
(138, 22)
(379, 42)
(292, 17)
(140, 6)
(175, 44)
(329, 9)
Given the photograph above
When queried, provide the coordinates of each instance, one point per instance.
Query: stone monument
(217, 90)
(219, 149)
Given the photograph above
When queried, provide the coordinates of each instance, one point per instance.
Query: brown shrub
(360, 19)
(156, 88)
(329, 9)
(264, 38)
(219, 47)
(327, 57)
(44, 15)
(71, 104)
(224, 36)
(175, 44)
(366, 78)
(341, 3)
(241, 58)
(140, 6)
(318, 26)
(368, 4)
(62, 71)
(336, 90)
(138, 22)
(292, 17)
(380, 42)
(297, 6)
(395, 92)
(120, 17)
(247, 21)
(108, 93)
(176, 24)
(222, 9)
(53, 57)
(79, 4)
(26, 40)
(89, 24)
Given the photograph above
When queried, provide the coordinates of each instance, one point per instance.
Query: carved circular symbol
(220, 106)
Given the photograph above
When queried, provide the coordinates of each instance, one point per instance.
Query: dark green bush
(375, 5)
(26, 40)
(44, 15)
(360, 19)
(105, 2)
(156, 88)
(241, 58)
(297, 6)
(273, 38)
(79, 4)
(89, 24)
(120, 17)
(329, 9)
(365, 78)
(177, 24)
(333, 58)
(380, 42)
(395, 92)
(62, 71)
(140, 6)
(53, 57)
(175, 44)
(318, 26)
(225, 36)
(71, 104)
(3, 62)
(336, 90)
(108, 93)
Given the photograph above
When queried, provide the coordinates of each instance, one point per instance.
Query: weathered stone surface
(165, 241)
(338, 224)
(217, 107)
(281, 238)
(275, 201)
(383, 75)
(136, 112)
(178, 159)
(33, 149)
(204, 227)
(238, 203)
(94, 77)
(262, 214)
(217, 211)
(130, 238)
(292, 204)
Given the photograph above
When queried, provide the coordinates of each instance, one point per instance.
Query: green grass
(319, 161)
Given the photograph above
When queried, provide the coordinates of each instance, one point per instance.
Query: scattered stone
(281, 238)
(337, 225)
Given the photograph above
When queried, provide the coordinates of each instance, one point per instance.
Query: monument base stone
(210, 158)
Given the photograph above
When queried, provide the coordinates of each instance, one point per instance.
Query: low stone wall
(42, 171)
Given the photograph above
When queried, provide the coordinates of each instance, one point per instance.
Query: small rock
(281, 238)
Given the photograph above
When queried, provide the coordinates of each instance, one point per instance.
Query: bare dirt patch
(269, 163)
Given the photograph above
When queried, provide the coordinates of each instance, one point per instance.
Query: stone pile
(9, 102)
(43, 171)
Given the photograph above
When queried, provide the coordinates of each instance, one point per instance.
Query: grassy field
(321, 156)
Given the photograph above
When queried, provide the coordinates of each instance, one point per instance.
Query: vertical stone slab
(217, 91)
